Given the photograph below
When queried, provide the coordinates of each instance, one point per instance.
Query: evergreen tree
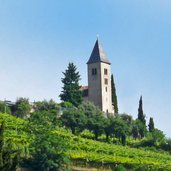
(114, 96)
(71, 89)
(141, 115)
(151, 125)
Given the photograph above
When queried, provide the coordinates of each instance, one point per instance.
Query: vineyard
(16, 132)
(99, 154)
(85, 151)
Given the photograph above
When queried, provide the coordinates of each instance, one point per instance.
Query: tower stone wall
(99, 80)
(94, 84)
(106, 88)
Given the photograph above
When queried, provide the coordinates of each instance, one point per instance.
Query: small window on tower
(105, 71)
(106, 89)
(106, 81)
(94, 71)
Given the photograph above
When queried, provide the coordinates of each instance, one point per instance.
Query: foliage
(46, 106)
(141, 115)
(4, 108)
(91, 151)
(74, 118)
(66, 104)
(166, 145)
(120, 130)
(46, 118)
(151, 125)
(118, 127)
(22, 108)
(9, 158)
(42, 143)
(95, 118)
(127, 118)
(101, 152)
(95, 123)
(87, 134)
(71, 89)
(158, 136)
(108, 127)
(138, 129)
(48, 151)
(88, 108)
(114, 96)
(14, 141)
(120, 167)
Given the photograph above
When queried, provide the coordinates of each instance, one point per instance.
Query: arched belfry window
(94, 71)
(105, 71)
(106, 81)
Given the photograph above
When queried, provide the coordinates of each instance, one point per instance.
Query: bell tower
(99, 79)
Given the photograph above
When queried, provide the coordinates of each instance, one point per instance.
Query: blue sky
(38, 38)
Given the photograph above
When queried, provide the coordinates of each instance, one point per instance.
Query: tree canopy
(22, 108)
(71, 90)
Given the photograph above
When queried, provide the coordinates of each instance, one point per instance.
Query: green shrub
(119, 167)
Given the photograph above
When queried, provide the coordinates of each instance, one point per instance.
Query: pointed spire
(98, 54)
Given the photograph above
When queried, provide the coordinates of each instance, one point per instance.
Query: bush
(119, 168)
(166, 145)
(87, 134)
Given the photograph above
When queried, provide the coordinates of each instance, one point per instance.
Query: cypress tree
(71, 89)
(151, 125)
(114, 96)
(141, 115)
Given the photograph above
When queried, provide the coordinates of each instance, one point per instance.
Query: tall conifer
(151, 125)
(71, 89)
(141, 115)
(114, 96)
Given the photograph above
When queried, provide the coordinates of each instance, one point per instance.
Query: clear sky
(38, 38)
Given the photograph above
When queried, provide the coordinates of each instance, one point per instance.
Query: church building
(98, 90)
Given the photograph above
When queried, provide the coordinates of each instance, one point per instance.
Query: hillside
(84, 152)
(97, 154)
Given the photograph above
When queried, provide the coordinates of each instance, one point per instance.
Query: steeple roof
(98, 54)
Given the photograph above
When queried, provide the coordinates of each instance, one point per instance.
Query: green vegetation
(22, 108)
(42, 142)
(4, 108)
(151, 125)
(71, 89)
(32, 143)
(14, 141)
(47, 136)
(114, 96)
(141, 115)
(100, 153)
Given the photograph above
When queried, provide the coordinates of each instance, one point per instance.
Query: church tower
(99, 79)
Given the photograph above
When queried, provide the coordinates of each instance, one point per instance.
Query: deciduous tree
(74, 119)
(22, 108)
